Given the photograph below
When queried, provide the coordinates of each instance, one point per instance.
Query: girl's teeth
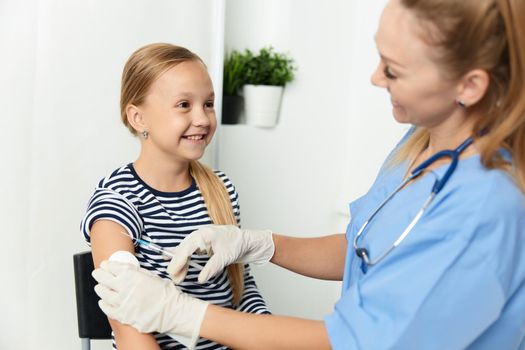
(197, 137)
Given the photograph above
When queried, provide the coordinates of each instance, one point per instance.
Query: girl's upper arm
(107, 238)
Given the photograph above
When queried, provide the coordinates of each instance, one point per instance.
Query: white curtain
(17, 47)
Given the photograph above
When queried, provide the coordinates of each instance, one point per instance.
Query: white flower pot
(262, 104)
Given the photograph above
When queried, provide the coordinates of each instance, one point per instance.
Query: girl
(167, 100)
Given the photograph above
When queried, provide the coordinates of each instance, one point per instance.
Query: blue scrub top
(457, 280)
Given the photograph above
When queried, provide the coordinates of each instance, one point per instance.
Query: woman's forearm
(240, 330)
(320, 257)
(128, 338)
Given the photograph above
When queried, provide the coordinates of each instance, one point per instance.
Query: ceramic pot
(262, 104)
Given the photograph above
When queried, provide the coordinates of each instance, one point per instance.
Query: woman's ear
(473, 86)
(135, 118)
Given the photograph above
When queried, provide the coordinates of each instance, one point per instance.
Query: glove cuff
(262, 247)
(199, 318)
(191, 313)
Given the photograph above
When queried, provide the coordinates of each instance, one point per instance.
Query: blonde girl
(167, 101)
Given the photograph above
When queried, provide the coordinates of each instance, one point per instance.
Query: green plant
(234, 74)
(268, 68)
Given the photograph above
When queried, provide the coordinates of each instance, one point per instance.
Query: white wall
(334, 131)
(371, 129)
(60, 96)
(17, 37)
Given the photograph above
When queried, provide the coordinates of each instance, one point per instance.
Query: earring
(145, 134)
(461, 104)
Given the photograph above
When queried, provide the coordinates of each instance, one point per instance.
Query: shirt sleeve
(106, 204)
(252, 300)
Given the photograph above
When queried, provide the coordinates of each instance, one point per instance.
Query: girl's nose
(201, 117)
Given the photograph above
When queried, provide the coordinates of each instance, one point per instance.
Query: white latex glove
(226, 244)
(134, 296)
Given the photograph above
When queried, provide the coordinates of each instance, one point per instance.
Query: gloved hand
(226, 244)
(134, 296)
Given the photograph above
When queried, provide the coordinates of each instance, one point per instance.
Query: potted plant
(266, 74)
(234, 77)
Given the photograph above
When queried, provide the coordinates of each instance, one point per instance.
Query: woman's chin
(400, 115)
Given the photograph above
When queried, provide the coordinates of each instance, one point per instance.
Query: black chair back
(92, 322)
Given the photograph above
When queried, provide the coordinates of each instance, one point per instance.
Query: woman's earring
(145, 134)
(461, 104)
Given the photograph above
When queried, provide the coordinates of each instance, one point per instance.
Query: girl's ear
(473, 86)
(135, 118)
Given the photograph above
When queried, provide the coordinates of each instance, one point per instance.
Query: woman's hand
(226, 244)
(134, 296)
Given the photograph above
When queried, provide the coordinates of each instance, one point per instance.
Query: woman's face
(419, 93)
(179, 112)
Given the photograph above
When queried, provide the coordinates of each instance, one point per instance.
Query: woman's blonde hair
(141, 70)
(488, 35)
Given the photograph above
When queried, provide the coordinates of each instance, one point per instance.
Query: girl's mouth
(193, 137)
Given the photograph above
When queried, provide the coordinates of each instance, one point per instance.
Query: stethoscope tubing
(438, 186)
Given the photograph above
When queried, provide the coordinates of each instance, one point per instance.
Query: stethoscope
(438, 186)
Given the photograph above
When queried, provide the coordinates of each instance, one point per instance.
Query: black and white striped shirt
(165, 218)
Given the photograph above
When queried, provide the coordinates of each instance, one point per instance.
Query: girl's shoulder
(122, 182)
(119, 176)
(224, 178)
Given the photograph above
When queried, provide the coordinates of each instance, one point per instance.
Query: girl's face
(179, 113)
(419, 93)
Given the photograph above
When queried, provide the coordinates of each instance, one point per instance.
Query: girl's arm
(321, 257)
(239, 330)
(105, 240)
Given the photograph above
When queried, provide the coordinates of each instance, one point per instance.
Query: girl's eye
(209, 104)
(388, 73)
(183, 104)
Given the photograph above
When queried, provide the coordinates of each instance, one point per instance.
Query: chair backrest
(92, 322)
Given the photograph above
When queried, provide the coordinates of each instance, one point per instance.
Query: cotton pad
(124, 256)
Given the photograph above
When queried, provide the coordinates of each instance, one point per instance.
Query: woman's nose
(378, 77)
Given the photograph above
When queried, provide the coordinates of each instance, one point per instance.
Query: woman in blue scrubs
(433, 257)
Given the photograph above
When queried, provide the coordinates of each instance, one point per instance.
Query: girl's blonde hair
(141, 70)
(488, 35)
(220, 210)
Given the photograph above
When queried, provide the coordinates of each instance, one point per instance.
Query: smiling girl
(167, 100)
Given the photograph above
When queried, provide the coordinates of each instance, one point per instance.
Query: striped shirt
(165, 218)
